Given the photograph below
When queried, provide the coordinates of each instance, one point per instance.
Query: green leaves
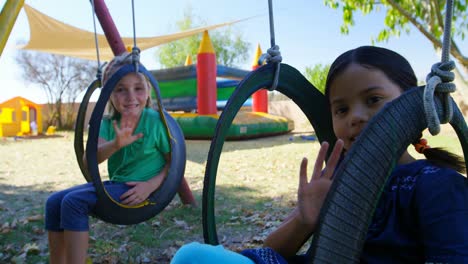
(229, 46)
(427, 16)
(317, 75)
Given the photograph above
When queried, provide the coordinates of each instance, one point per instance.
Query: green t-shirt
(144, 158)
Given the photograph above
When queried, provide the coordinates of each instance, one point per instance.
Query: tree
(317, 75)
(425, 15)
(229, 46)
(61, 78)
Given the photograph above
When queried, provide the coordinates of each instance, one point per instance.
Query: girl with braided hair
(423, 210)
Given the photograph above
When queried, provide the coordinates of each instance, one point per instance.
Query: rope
(99, 66)
(439, 80)
(135, 49)
(273, 54)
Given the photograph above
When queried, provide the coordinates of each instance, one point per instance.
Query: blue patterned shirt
(422, 216)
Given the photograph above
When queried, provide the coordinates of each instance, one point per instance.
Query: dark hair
(399, 71)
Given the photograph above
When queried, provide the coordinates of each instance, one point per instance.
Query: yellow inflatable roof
(52, 36)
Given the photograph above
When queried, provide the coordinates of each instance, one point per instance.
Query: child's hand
(124, 135)
(311, 194)
(138, 194)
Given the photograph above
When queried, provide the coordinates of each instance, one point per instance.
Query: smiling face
(130, 95)
(356, 95)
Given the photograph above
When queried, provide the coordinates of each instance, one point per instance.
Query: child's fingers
(128, 119)
(131, 183)
(130, 197)
(114, 123)
(129, 201)
(333, 159)
(303, 172)
(319, 161)
(125, 122)
(125, 195)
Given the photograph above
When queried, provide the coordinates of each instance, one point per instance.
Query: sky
(307, 32)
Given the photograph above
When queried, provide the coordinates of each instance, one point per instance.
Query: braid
(444, 158)
(439, 156)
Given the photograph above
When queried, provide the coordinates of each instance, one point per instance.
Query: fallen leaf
(5, 230)
(170, 252)
(181, 223)
(179, 243)
(38, 231)
(19, 259)
(31, 249)
(35, 218)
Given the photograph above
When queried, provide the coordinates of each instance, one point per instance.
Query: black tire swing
(108, 209)
(79, 126)
(361, 176)
(292, 84)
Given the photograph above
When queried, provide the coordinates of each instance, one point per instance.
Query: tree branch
(454, 50)
(413, 21)
(438, 12)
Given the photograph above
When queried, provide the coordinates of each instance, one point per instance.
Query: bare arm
(105, 150)
(157, 180)
(290, 235)
(302, 222)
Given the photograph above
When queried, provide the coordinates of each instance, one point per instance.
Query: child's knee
(53, 203)
(74, 205)
(52, 212)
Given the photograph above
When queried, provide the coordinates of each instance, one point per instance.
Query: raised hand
(124, 135)
(311, 194)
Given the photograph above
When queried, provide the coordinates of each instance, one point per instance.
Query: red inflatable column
(260, 97)
(206, 77)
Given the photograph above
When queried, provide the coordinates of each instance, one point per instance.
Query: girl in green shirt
(135, 143)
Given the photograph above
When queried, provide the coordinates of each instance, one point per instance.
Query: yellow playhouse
(20, 117)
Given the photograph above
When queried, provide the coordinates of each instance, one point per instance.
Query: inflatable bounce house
(196, 94)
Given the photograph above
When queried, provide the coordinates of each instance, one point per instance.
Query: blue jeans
(70, 209)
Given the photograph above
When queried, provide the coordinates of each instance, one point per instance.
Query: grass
(256, 187)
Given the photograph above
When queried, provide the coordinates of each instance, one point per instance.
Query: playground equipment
(178, 86)
(360, 176)
(20, 117)
(79, 43)
(8, 17)
(110, 210)
(196, 88)
(107, 208)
